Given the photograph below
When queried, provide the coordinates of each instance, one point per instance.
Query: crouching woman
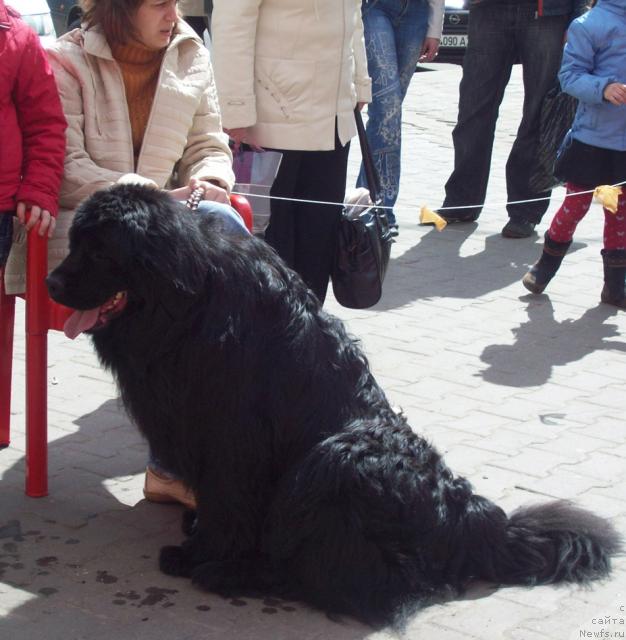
(137, 90)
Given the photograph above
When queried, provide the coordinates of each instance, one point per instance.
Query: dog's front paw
(175, 561)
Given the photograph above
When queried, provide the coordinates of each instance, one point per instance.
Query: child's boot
(536, 280)
(614, 274)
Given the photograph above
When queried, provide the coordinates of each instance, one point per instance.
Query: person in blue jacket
(594, 150)
(501, 33)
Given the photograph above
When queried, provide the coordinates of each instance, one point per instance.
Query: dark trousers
(498, 35)
(305, 234)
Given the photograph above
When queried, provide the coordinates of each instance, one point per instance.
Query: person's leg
(6, 235)
(614, 255)
(486, 71)
(322, 178)
(230, 222)
(394, 32)
(558, 238)
(160, 485)
(572, 211)
(540, 45)
(280, 232)
(384, 111)
(410, 31)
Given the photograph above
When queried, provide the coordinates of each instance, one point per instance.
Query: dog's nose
(55, 286)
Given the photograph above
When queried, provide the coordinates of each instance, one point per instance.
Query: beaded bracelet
(194, 199)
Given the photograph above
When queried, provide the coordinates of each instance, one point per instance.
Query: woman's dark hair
(115, 18)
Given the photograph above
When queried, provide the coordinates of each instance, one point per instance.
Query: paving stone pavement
(523, 394)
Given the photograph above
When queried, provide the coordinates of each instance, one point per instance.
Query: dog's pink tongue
(80, 321)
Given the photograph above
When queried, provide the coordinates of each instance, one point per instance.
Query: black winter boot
(536, 280)
(614, 274)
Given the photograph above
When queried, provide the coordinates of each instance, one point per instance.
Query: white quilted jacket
(183, 137)
(289, 68)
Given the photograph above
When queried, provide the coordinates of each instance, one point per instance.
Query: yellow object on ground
(427, 216)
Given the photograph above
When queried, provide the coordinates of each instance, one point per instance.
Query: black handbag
(557, 114)
(363, 243)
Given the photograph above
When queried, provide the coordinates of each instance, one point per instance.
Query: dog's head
(129, 245)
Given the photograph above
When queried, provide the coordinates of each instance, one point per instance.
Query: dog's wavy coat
(307, 481)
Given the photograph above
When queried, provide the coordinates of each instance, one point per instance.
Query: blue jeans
(6, 235)
(500, 33)
(394, 33)
(231, 222)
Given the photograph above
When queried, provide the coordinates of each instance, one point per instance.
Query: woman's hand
(430, 47)
(242, 134)
(37, 214)
(212, 192)
(615, 93)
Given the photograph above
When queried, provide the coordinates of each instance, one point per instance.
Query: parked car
(37, 14)
(65, 14)
(455, 27)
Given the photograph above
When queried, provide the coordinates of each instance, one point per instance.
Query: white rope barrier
(404, 208)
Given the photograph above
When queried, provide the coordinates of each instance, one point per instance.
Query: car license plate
(451, 41)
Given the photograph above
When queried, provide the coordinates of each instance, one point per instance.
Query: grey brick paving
(523, 394)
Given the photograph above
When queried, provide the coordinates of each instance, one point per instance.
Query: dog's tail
(539, 544)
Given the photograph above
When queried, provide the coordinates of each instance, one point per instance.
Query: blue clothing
(6, 235)
(230, 221)
(394, 33)
(595, 56)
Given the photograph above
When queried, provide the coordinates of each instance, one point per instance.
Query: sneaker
(159, 487)
(518, 228)
(394, 230)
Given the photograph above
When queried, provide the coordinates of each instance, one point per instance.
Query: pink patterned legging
(573, 210)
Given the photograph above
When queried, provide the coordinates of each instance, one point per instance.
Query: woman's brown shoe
(159, 487)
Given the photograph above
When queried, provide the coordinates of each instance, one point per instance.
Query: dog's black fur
(305, 477)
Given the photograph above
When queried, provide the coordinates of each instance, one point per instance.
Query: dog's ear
(167, 245)
(156, 238)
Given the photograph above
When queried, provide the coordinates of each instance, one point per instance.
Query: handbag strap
(371, 174)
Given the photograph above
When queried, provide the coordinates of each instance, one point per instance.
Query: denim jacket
(595, 56)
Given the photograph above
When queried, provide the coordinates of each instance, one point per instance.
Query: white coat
(289, 68)
(192, 7)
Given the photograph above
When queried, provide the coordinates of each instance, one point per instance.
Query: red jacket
(32, 125)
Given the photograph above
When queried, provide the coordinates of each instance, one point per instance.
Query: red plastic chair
(42, 315)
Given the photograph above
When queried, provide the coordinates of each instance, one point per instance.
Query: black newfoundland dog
(307, 482)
